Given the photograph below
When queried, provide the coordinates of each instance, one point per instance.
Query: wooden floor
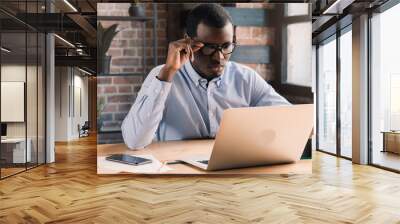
(70, 191)
(387, 159)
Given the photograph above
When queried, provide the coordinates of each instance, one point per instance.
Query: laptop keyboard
(203, 161)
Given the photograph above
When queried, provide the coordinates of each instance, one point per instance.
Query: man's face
(212, 65)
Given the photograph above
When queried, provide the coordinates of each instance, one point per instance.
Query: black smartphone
(128, 159)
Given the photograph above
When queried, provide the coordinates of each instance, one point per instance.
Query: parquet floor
(70, 191)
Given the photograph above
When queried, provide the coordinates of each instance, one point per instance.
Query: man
(185, 98)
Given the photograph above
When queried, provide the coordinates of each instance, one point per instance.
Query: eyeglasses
(225, 49)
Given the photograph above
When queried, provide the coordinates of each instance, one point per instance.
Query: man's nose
(218, 56)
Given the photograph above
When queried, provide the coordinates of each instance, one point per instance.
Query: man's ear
(185, 35)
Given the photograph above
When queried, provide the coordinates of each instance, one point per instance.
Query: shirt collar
(197, 79)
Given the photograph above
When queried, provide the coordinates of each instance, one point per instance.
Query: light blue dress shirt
(188, 108)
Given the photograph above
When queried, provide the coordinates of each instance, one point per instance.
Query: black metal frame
(382, 8)
(337, 36)
(28, 27)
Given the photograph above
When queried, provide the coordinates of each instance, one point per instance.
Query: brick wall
(117, 92)
(257, 36)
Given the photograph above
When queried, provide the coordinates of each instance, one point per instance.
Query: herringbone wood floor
(70, 191)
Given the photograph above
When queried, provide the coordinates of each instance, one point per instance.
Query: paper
(154, 167)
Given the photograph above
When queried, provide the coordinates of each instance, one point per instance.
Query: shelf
(109, 130)
(124, 18)
(121, 74)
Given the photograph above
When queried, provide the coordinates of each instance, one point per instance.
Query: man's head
(211, 25)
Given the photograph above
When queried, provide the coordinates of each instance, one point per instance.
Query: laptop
(258, 136)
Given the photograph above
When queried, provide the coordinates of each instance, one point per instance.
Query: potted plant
(104, 39)
(137, 10)
(100, 107)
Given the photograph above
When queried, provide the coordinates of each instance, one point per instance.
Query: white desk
(18, 150)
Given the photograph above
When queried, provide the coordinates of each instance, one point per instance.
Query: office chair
(84, 130)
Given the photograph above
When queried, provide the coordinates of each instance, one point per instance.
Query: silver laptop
(258, 136)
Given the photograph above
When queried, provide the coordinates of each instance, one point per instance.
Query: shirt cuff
(160, 88)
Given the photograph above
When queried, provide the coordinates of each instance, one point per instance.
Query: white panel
(12, 101)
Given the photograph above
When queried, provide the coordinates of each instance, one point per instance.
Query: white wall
(17, 73)
(61, 103)
(70, 83)
(33, 126)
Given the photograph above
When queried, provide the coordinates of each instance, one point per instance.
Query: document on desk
(151, 168)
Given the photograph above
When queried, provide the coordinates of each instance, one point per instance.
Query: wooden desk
(14, 148)
(172, 150)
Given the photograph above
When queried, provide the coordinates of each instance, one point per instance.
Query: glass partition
(14, 153)
(22, 80)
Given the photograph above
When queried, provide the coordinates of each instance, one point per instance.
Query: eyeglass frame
(218, 47)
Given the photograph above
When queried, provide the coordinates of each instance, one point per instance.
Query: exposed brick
(130, 52)
(126, 80)
(135, 43)
(115, 70)
(106, 116)
(125, 61)
(129, 70)
(110, 89)
(110, 108)
(129, 34)
(243, 32)
(115, 52)
(119, 43)
(124, 89)
(124, 107)
(264, 70)
(119, 116)
(103, 80)
(127, 57)
(106, 89)
(120, 99)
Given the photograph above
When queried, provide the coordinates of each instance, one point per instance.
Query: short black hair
(210, 14)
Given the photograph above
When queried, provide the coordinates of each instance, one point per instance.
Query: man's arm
(264, 95)
(141, 123)
(142, 120)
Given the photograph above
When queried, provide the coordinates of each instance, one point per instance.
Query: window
(327, 95)
(297, 48)
(385, 88)
(346, 93)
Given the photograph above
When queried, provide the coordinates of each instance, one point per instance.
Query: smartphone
(128, 159)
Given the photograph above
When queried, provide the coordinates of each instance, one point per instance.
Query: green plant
(104, 39)
(100, 105)
(100, 108)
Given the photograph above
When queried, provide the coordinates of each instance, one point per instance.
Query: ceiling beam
(83, 23)
(79, 61)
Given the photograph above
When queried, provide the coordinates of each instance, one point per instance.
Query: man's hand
(179, 52)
